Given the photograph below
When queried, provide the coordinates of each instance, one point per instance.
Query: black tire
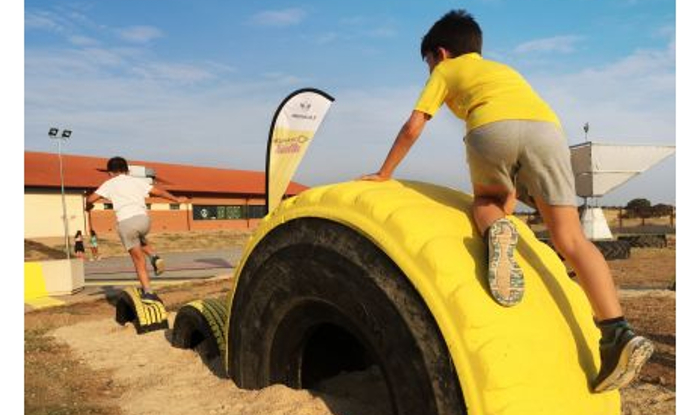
(145, 317)
(612, 250)
(313, 291)
(646, 241)
(201, 322)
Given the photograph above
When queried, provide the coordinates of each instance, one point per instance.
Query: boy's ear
(443, 54)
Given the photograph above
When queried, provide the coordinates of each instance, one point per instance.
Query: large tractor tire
(317, 298)
(392, 275)
(613, 250)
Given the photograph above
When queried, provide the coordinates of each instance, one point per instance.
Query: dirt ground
(79, 361)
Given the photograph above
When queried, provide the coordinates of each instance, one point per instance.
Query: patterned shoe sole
(505, 276)
(633, 357)
(159, 266)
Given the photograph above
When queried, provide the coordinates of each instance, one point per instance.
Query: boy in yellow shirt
(516, 149)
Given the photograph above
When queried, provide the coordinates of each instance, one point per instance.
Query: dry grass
(56, 381)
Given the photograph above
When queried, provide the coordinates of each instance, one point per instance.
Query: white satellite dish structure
(602, 167)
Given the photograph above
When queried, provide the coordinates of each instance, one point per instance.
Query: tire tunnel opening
(335, 362)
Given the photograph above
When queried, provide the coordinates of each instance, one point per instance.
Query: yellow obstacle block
(537, 357)
(145, 316)
(35, 293)
(34, 285)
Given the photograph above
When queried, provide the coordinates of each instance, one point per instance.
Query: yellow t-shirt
(481, 91)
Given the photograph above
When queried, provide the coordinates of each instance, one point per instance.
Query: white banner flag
(292, 129)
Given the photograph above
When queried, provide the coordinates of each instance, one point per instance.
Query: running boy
(516, 148)
(128, 195)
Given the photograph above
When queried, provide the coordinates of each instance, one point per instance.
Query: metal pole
(63, 200)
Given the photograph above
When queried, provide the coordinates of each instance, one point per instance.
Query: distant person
(93, 245)
(128, 195)
(79, 247)
(515, 143)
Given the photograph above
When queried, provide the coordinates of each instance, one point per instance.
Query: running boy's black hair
(117, 165)
(456, 31)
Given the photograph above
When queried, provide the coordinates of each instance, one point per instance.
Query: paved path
(108, 276)
(178, 266)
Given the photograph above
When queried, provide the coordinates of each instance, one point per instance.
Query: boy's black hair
(117, 165)
(456, 31)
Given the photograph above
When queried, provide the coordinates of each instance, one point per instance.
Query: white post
(63, 200)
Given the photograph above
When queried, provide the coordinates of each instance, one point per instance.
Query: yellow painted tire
(357, 253)
(201, 322)
(145, 316)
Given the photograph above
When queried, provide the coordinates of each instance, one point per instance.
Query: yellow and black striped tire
(145, 316)
(201, 322)
(393, 275)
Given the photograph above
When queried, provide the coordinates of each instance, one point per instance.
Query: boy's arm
(158, 192)
(408, 135)
(90, 201)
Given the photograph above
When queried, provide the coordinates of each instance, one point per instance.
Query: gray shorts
(531, 157)
(132, 231)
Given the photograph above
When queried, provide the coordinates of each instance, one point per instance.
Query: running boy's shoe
(622, 358)
(150, 297)
(158, 264)
(505, 276)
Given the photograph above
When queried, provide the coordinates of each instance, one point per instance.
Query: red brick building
(218, 198)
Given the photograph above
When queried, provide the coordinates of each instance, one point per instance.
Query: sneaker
(158, 264)
(621, 359)
(150, 297)
(505, 276)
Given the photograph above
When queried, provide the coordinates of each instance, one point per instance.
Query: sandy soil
(156, 376)
(161, 377)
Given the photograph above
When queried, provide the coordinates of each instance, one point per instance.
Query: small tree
(661, 209)
(639, 208)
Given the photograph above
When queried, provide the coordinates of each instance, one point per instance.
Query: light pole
(65, 135)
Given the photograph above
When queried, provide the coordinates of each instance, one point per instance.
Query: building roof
(82, 172)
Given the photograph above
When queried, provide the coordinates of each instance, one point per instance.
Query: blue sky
(197, 82)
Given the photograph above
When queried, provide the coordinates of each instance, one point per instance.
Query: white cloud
(41, 20)
(148, 114)
(178, 72)
(279, 18)
(83, 40)
(139, 34)
(558, 44)
(382, 32)
(629, 101)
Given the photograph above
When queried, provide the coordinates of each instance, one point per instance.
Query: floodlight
(53, 132)
(66, 133)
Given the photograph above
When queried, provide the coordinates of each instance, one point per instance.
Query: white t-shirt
(127, 194)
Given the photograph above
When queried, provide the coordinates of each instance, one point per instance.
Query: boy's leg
(491, 205)
(139, 259)
(131, 232)
(591, 269)
(156, 261)
(623, 353)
